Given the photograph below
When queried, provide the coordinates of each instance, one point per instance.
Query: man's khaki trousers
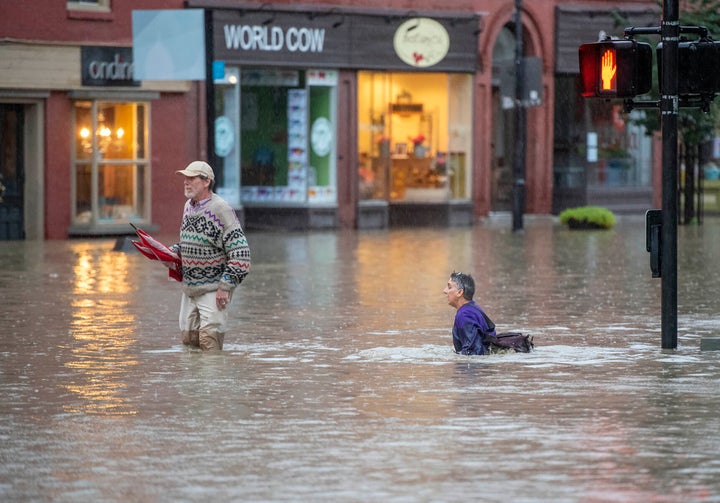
(202, 324)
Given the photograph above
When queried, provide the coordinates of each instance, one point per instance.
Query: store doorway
(12, 172)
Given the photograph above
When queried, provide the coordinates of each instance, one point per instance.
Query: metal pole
(209, 89)
(520, 129)
(669, 33)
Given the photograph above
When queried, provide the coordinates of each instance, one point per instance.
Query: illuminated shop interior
(414, 136)
(110, 157)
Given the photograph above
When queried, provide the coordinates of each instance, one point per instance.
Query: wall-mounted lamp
(333, 11)
(338, 24)
(415, 26)
(269, 20)
(481, 25)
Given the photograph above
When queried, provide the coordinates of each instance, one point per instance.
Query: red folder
(155, 250)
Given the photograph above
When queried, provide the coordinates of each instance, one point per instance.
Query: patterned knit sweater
(213, 248)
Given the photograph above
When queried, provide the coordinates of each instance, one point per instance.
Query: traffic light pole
(670, 102)
(614, 68)
(669, 107)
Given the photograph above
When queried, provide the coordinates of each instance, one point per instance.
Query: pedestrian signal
(698, 67)
(615, 69)
(608, 71)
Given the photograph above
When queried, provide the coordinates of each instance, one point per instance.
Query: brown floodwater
(338, 381)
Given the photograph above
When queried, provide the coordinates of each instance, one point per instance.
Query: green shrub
(588, 217)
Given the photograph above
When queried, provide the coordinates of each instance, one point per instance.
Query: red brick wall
(178, 128)
(175, 134)
(175, 143)
(50, 20)
(58, 117)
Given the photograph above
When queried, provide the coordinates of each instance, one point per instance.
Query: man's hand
(222, 298)
(609, 68)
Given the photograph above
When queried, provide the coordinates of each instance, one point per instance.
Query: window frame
(96, 162)
(428, 141)
(88, 7)
(294, 170)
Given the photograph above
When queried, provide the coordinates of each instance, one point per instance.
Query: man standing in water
(215, 259)
(471, 325)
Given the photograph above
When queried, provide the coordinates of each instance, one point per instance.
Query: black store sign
(107, 67)
(334, 40)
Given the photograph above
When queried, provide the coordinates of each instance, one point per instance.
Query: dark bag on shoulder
(510, 340)
(506, 341)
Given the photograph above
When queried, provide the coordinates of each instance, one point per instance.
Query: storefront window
(287, 136)
(596, 143)
(227, 137)
(618, 151)
(414, 136)
(111, 176)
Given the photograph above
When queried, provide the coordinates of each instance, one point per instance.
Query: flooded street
(338, 381)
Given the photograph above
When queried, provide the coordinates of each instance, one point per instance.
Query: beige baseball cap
(198, 168)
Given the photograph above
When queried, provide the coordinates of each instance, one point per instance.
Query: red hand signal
(608, 70)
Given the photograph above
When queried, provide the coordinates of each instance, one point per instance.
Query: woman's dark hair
(464, 282)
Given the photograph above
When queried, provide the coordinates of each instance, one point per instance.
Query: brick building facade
(323, 115)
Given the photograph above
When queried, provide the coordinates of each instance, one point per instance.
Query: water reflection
(103, 331)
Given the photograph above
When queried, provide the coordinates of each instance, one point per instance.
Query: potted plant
(588, 217)
(419, 150)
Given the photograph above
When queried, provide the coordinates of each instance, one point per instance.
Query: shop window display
(414, 136)
(288, 136)
(110, 180)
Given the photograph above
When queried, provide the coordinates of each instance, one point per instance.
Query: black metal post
(209, 89)
(520, 129)
(669, 107)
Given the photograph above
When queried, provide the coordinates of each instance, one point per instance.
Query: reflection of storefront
(326, 114)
